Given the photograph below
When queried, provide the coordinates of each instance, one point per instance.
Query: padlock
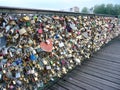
(33, 57)
(29, 29)
(30, 41)
(78, 61)
(26, 18)
(32, 21)
(18, 61)
(1, 34)
(1, 56)
(61, 44)
(22, 31)
(12, 23)
(47, 46)
(40, 31)
(73, 27)
(64, 71)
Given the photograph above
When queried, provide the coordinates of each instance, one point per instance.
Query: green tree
(85, 10)
(107, 9)
(100, 9)
(110, 9)
(117, 9)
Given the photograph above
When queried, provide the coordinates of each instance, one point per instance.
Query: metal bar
(39, 11)
(4, 9)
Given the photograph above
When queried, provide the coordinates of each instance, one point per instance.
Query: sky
(55, 4)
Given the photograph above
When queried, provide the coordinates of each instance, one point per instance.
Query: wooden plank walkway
(101, 72)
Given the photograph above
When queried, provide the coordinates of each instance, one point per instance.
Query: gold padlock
(26, 18)
(22, 31)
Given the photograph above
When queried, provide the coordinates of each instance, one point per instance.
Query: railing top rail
(4, 9)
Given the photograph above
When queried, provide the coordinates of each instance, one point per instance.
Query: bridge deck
(101, 72)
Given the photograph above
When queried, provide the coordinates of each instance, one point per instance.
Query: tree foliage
(107, 9)
(100, 9)
(85, 10)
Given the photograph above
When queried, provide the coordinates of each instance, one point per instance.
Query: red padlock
(40, 31)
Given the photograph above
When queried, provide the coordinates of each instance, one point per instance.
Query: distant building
(74, 9)
(91, 10)
(71, 9)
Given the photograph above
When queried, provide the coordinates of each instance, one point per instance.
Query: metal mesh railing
(40, 46)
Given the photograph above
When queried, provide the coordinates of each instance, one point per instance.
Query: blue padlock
(33, 57)
(19, 61)
(18, 75)
(56, 36)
